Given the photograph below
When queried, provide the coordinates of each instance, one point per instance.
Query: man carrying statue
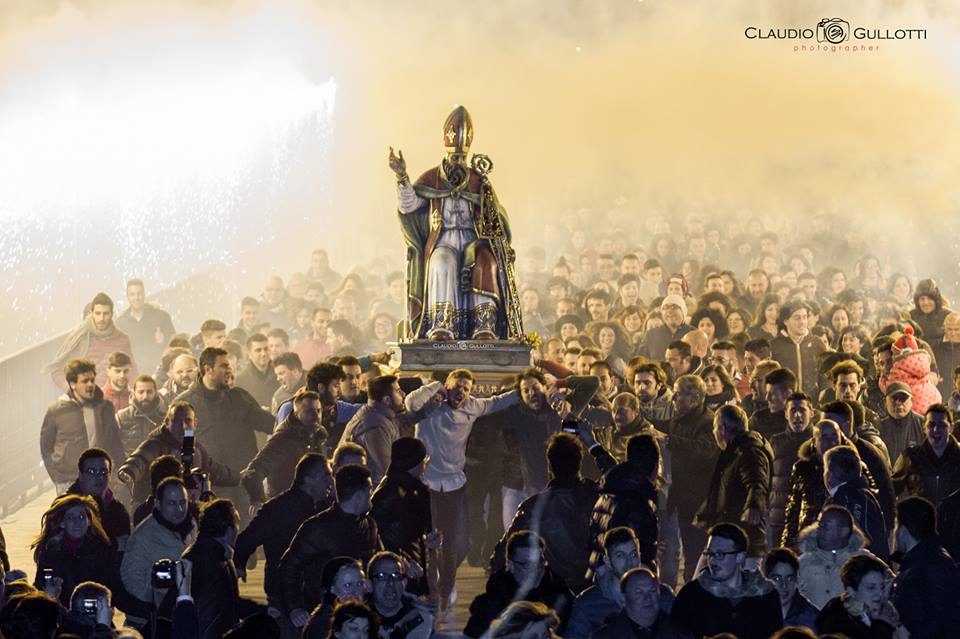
(460, 276)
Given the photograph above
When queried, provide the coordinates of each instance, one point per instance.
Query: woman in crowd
(837, 318)
(720, 387)
(72, 547)
(864, 610)
(929, 310)
(342, 580)
(712, 323)
(614, 345)
(738, 320)
(901, 290)
(354, 620)
(765, 319)
(631, 319)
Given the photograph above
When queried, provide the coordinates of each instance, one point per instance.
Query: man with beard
(627, 422)
(148, 327)
(258, 378)
(324, 380)
(725, 597)
(94, 340)
(289, 372)
(165, 534)
(380, 422)
(144, 414)
(275, 524)
(297, 435)
(656, 398)
(314, 347)
(80, 419)
(117, 389)
(445, 432)
(848, 382)
(183, 372)
(528, 425)
(799, 410)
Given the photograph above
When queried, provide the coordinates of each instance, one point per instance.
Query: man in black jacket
(847, 487)
(899, 426)
(842, 412)
(799, 411)
(274, 525)
(560, 514)
(740, 487)
(345, 529)
(214, 579)
(771, 419)
(95, 467)
(228, 419)
(927, 587)
(401, 508)
(296, 435)
(142, 415)
(258, 378)
(932, 469)
(527, 577)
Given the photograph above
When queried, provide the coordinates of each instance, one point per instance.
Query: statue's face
(457, 158)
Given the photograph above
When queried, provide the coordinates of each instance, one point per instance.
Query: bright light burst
(128, 155)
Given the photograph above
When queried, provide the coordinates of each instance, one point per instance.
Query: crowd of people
(721, 433)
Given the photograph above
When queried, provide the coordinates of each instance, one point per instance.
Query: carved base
(489, 360)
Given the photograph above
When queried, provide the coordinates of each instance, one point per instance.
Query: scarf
(752, 584)
(182, 530)
(78, 342)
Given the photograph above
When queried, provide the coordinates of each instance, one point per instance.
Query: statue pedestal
(489, 360)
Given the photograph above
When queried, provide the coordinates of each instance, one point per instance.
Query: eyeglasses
(719, 554)
(783, 579)
(96, 472)
(388, 576)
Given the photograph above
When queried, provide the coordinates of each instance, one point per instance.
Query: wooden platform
(22, 527)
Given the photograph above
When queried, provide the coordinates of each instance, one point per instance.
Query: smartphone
(47, 577)
(90, 607)
(569, 425)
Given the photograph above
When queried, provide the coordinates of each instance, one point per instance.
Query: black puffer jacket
(705, 607)
(741, 480)
(805, 493)
(878, 478)
(834, 619)
(401, 508)
(561, 515)
(501, 591)
(332, 533)
(857, 497)
(919, 472)
(138, 421)
(786, 446)
(277, 460)
(92, 560)
(627, 498)
(926, 590)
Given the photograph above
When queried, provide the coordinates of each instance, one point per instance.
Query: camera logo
(833, 30)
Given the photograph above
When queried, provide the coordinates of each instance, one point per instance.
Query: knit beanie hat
(906, 342)
(406, 453)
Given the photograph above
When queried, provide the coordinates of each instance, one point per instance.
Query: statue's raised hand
(397, 164)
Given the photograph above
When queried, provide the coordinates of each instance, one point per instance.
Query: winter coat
(805, 493)
(930, 323)
(63, 434)
(818, 578)
(878, 479)
(741, 481)
(561, 515)
(273, 527)
(401, 508)
(600, 602)
(627, 498)
(835, 619)
(913, 369)
(260, 384)
(376, 427)
(706, 607)
(692, 450)
(803, 359)
(149, 542)
(659, 410)
(502, 589)
(277, 460)
(926, 591)
(621, 627)
(113, 515)
(137, 422)
(919, 472)
(947, 355)
(214, 587)
(656, 340)
(162, 442)
(768, 423)
(862, 504)
(948, 523)
(899, 434)
(93, 560)
(227, 423)
(801, 613)
(785, 454)
(331, 533)
(413, 621)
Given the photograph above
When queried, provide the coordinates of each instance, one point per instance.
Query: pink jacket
(913, 369)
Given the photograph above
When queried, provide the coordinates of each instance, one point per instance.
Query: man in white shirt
(444, 433)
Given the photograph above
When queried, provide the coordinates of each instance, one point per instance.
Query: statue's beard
(455, 169)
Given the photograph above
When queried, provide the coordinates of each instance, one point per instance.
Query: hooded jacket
(818, 578)
(741, 481)
(63, 434)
